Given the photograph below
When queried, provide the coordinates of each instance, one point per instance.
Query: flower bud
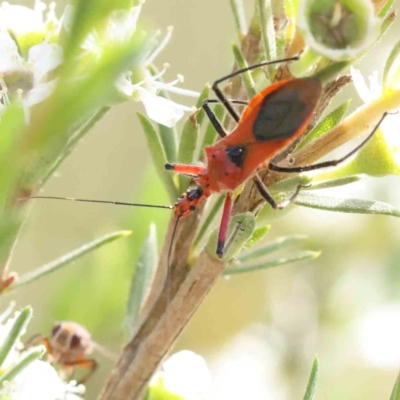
(338, 29)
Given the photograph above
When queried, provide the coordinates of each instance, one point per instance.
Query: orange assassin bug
(270, 122)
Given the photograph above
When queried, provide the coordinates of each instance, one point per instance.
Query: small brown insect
(68, 347)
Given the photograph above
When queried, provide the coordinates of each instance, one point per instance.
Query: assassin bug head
(189, 201)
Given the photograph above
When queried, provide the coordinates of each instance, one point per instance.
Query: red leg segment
(223, 229)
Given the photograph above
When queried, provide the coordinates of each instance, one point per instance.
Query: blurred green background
(258, 332)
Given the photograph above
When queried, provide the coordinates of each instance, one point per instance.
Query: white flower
(376, 336)
(184, 374)
(40, 381)
(120, 28)
(21, 20)
(26, 78)
(390, 124)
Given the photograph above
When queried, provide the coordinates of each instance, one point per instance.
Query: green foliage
(346, 205)
(66, 259)
(158, 156)
(142, 279)
(312, 382)
(15, 332)
(329, 122)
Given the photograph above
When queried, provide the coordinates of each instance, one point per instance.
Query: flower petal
(43, 58)
(122, 24)
(20, 20)
(360, 85)
(161, 110)
(10, 59)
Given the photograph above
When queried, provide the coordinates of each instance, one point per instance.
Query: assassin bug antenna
(115, 203)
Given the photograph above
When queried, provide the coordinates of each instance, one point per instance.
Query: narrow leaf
(385, 9)
(142, 279)
(276, 262)
(158, 156)
(203, 95)
(18, 328)
(258, 234)
(247, 79)
(312, 381)
(210, 217)
(30, 356)
(67, 259)
(169, 142)
(396, 389)
(329, 122)
(270, 247)
(187, 147)
(264, 9)
(391, 73)
(239, 17)
(346, 205)
(241, 228)
(334, 183)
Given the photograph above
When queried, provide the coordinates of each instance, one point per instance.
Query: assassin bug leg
(330, 163)
(218, 92)
(268, 197)
(223, 229)
(212, 117)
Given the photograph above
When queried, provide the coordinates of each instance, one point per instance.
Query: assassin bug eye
(194, 194)
(236, 154)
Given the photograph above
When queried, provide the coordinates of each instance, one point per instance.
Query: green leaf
(258, 234)
(312, 381)
(158, 156)
(396, 389)
(18, 328)
(239, 17)
(275, 262)
(247, 79)
(346, 205)
(270, 247)
(241, 227)
(209, 218)
(29, 356)
(187, 147)
(142, 278)
(331, 183)
(169, 142)
(386, 8)
(391, 73)
(203, 95)
(67, 259)
(329, 122)
(264, 10)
